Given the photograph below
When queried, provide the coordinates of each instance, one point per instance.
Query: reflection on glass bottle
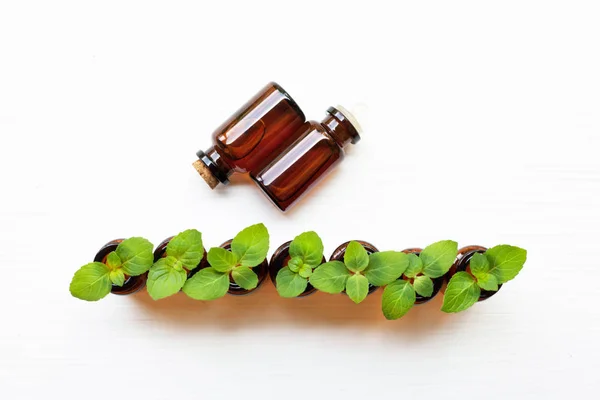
(318, 147)
(252, 136)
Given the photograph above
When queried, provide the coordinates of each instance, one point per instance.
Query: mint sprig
(433, 262)
(169, 273)
(136, 255)
(358, 270)
(94, 281)
(306, 252)
(486, 271)
(248, 249)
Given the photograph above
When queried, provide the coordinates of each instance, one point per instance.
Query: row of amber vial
(270, 139)
(280, 259)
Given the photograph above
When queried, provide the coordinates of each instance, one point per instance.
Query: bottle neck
(339, 126)
(212, 167)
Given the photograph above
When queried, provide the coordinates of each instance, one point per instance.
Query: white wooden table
(482, 125)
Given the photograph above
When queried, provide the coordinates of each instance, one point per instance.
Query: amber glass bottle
(302, 164)
(261, 270)
(437, 282)
(280, 258)
(132, 284)
(338, 255)
(252, 136)
(161, 251)
(463, 263)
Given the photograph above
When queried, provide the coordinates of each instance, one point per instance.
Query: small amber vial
(317, 149)
(252, 136)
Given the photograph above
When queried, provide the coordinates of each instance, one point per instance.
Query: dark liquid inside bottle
(132, 284)
(306, 161)
(338, 255)
(252, 136)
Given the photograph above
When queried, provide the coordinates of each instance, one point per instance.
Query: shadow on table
(264, 308)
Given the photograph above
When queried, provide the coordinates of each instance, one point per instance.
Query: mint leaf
(462, 292)
(164, 280)
(113, 260)
(506, 261)
(415, 266)
(290, 284)
(117, 277)
(487, 282)
(356, 257)
(308, 247)
(438, 258)
(245, 278)
(221, 259)
(305, 271)
(136, 255)
(91, 282)
(187, 248)
(479, 264)
(398, 298)
(207, 284)
(480, 268)
(357, 287)
(423, 285)
(330, 277)
(295, 264)
(385, 267)
(251, 245)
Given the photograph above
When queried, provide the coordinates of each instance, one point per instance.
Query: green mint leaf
(415, 266)
(163, 279)
(423, 285)
(487, 282)
(506, 261)
(356, 257)
(290, 284)
(207, 284)
(305, 271)
(175, 263)
(136, 255)
(245, 277)
(479, 264)
(251, 245)
(113, 260)
(117, 277)
(295, 264)
(308, 247)
(330, 277)
(480, 268)
(187, 248)
(462, 292)
(438, 258)
(385, 267)
(357, 287)
(398, 298)
(221, 259)
(91, 282)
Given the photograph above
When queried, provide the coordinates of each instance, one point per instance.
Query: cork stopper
(205, 173)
